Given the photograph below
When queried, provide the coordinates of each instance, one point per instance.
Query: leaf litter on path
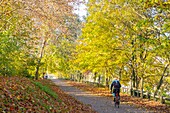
(125, 99)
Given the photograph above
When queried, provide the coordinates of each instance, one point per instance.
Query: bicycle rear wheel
(117, 101)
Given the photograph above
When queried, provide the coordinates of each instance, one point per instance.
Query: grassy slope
(18, 94)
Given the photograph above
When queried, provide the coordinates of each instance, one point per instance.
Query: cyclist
(116, 84)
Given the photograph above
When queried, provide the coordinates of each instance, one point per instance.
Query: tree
(123, 37)
(39, 23)
(14, 35)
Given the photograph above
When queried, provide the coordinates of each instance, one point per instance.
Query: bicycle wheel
(116, 101)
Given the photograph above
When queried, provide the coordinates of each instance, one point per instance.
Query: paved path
(98, 103)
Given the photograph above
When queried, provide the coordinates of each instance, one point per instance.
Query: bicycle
(116, 98)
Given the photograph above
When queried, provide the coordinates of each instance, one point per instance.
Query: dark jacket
(116, 85)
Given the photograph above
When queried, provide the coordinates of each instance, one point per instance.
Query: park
(56, 57)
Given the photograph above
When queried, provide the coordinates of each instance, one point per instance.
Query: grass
(46, 89)
(167, 102)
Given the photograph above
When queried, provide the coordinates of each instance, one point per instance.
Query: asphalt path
(98, 103)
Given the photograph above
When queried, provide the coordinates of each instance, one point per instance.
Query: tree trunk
(120, 73)
(107, 79)
(131, 88)
(133, 62)
(161, 80)
(39, 60)
(133, 82)
(37, 70)
(99, 80)
(142, 83)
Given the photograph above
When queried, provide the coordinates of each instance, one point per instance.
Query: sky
(80, 9)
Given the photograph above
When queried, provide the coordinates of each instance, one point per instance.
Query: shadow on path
(98, 103)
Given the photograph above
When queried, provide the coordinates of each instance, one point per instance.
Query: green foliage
(23, 30)
(14, 36)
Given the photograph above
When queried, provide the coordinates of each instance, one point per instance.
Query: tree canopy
(30, 32)
(128, 39)
(125, 38)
